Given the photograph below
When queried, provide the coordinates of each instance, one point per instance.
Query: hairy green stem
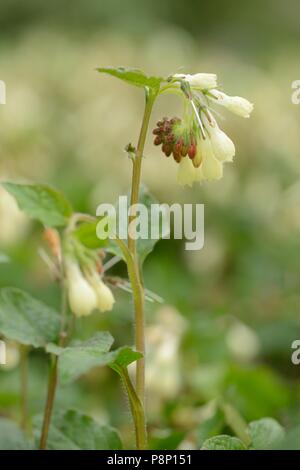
(137, 411)
(52, 379)
(236, 422)
(136, 406)
(138, 296)
(52, 383)
(134, 268)
(24, 386)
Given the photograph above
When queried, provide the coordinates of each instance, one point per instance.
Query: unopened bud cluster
(172, 142)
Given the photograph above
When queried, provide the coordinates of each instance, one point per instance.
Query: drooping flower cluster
(86, 290)
(196, 142)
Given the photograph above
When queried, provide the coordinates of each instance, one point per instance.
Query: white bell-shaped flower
(203, 81)
(211, 167)
(82, 297)
(222, 145)
(235, 104)
(105, 298)
(186, 172)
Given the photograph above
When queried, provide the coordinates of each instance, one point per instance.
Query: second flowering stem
(137, 285)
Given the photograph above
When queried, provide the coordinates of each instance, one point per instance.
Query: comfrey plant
(76, 257)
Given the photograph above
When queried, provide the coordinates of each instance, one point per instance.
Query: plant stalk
(138, 296)
(236, 422)
(24, 386)
(52, 379)
(52, 383)
(137, 411)
(134, 271)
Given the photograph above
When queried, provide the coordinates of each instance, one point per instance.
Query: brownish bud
(192, 151)
(51, 236)
(99, 267)
(157, 140)
(176, 156)
(167, 149)
(178, 146)
(184, 150)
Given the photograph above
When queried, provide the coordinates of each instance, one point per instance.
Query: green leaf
(71, 430)
(165, 439)
(223, 442)
(258, 391)
(160, 225)
(266, 433)
(41, 202)
(27, 320)
(11, 437)
(86, 234)
(210, 427)
(123, 357)
(291, 440)
(133, 76)
(79, 358)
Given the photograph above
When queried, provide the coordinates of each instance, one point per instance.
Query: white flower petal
(199, 174)
(212, 169)
(222, 145)
(81, 295)
(235, 104)
(186, 172)
(204, 81)
(105, 298)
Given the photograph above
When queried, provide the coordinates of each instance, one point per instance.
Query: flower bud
(167, 149)
(105, 298)
(81, 296)
(197, 160)
(235, 104)
(192, 150)
(51, 236)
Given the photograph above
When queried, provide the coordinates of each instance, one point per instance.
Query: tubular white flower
(211, 168)
(186, 172)
(105, 298)
(204, 81)
(222, 145)
(235, 104)
(81, 296)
